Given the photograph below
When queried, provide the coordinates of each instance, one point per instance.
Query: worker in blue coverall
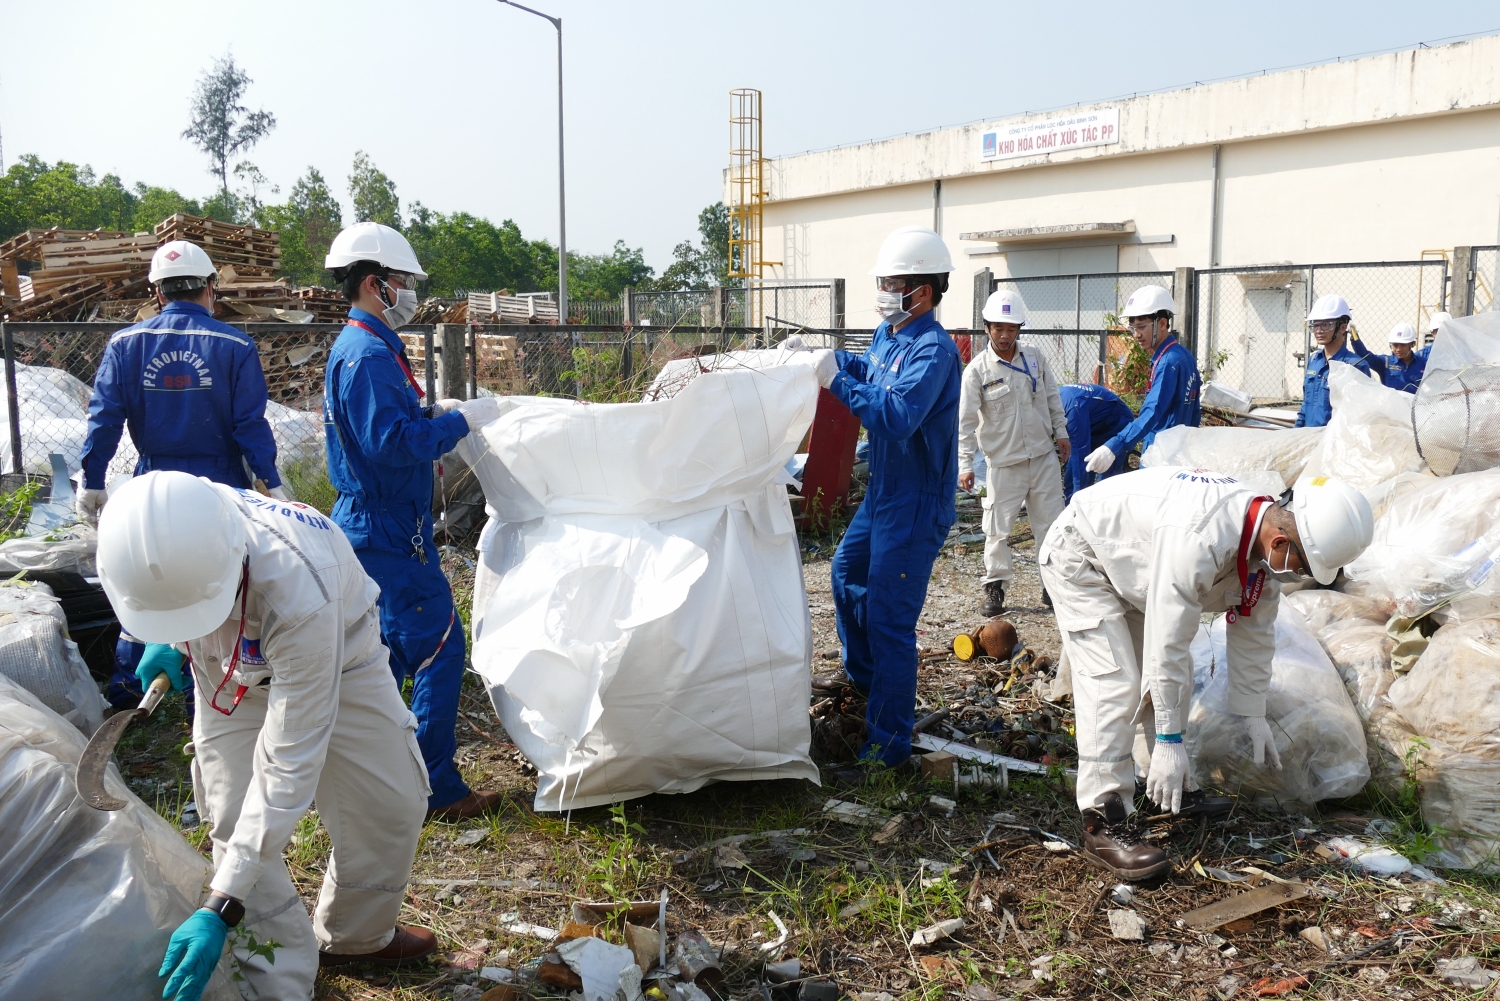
(905, 391)
(382, 443)
(1172, 389)
(1401, 369)
(1094, 414)
(193, 394)
(1330, 329)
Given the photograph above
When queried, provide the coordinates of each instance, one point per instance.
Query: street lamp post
(562, 197)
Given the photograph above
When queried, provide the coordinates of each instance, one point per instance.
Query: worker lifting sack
(639, 610)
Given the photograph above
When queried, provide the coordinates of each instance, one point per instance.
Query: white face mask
(400, 314)
(1286, 575)
(889, 305)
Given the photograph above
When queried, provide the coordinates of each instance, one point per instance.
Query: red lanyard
(400, 358)
(1250, 585)
(234, 658)
(1150, 379)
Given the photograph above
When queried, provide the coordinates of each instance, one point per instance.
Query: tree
(152, 205)
(34, 193)
(373, 194)
(605, 276)
(464, 253)
(220, 125)
(308, 222)
(706, 266)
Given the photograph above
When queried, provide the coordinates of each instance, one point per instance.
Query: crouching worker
(1133, 563)
(295, 700)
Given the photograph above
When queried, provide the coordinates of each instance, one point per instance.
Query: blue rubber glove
(160, 658)
(192, 954)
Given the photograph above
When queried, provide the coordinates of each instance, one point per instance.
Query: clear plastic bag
(1435, 543)
(36, 654)
(1455, 415)
(1369, 439)
(88, 899)
(1452, 694)
(1352, 631)
(1235, 450)
(1317, 732)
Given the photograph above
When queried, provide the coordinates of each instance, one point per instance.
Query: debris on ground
(1127, 925)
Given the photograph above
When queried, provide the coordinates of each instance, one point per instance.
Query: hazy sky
(456, 99)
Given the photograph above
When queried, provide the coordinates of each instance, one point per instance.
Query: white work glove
(278, 492)
(442, 407)
(87, 504)
(825, 366)
(1099, 460)
(480, 412)
(1262, 741)
(1169, 768)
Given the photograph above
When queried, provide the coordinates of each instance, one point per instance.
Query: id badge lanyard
(234, 658)
(1251, 585)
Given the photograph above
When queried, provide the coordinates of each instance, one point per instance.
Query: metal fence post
(12, 401)
(982, 281)
(473, 330)
(1184, 299)
(451, 339)
(429, 369)
(1461, 300)
(627, 337)
(838, 303)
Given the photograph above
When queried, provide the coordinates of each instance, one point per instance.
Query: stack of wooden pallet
(78, 268)
(498, 307)
(327, 305)
(253, 253)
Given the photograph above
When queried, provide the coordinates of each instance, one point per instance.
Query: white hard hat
(1148, 300)
(1438, 319)
(1403, 333)
(912, 250)
(180, 259)
(372, 241)
(1334, 523)
(1329, 307)
(171, 549)
(1005, 306)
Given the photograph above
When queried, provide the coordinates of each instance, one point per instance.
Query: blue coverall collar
(913, 328)
(376, 324)
(1171, 339)
(182, 306)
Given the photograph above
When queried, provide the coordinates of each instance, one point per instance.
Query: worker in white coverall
(279, 624)
(1133, 563)
(1010, 404)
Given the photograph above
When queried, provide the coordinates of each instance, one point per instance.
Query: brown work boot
(410, 943)
(476, 804)
(1110, 843)
(994, 598)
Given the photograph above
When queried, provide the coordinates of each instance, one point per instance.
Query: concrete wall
(1374, 159)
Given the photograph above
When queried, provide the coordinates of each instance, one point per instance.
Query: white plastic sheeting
(1435, 543)
(36, 654)
(1316, 729)
(639, 611)
(88, 899)
(1369, 440)
(1235, 451)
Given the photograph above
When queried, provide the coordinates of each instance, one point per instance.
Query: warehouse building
(1386, 158)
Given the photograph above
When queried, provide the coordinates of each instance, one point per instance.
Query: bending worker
(1010, 405)
(277, 621)
(1171, 391)
(1330, 318)
(1094, 414)
(905, 390)
(381, 447)
(1133, 564)
(190, 389)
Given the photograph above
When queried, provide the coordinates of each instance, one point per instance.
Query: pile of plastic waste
(1393, 675)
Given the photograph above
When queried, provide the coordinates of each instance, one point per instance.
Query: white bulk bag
(639, 611)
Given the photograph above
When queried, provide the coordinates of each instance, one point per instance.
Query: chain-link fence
(1074, 320)
(1484, 278)
(1252, 332)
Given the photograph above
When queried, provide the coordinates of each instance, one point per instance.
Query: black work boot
(1111, 843)
(1198, 803)
(994, 598)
